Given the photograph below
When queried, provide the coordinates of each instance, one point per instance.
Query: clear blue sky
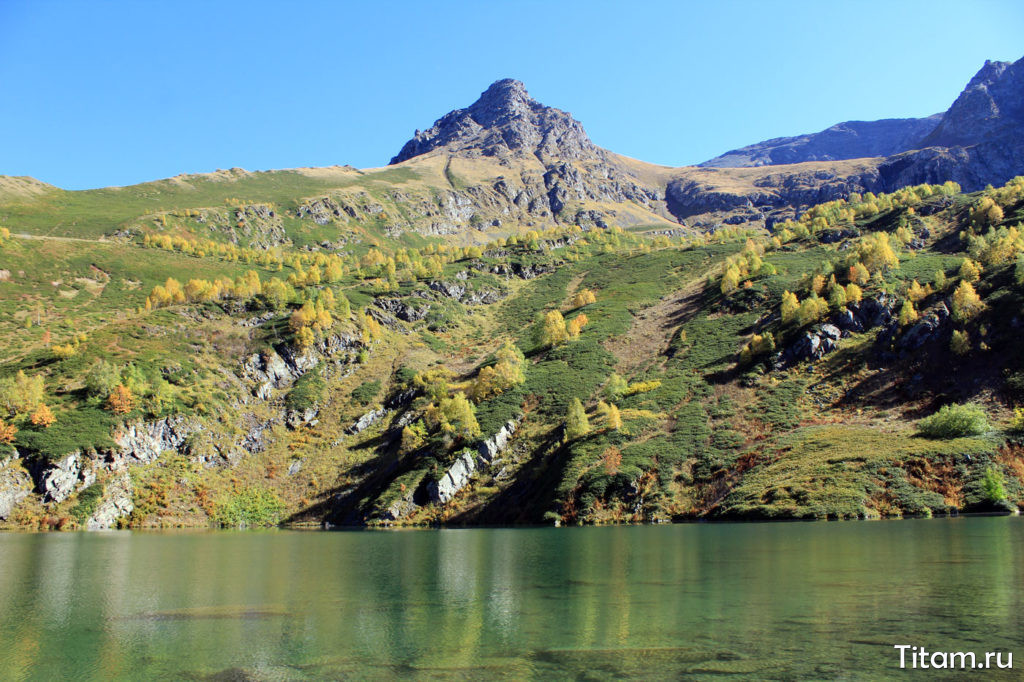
(108, 93)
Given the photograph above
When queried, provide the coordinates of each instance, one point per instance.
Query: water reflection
(769, 601)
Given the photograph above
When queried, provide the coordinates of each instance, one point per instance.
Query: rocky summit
(505, 122)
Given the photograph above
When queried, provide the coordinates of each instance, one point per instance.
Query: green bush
(953, 421)
(307, 391)
(992, 485)
(250, 507)
(366, 392)
(87, 428)
(88, 500)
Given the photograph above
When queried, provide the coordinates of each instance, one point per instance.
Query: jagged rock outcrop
(296, 419)
(459, 473)
(824, 338)
(116, 504)
(280, 367)
(58, 479)
(15, 485)
(460, 292)
(505, 121)
(145, 441)
(402, 309)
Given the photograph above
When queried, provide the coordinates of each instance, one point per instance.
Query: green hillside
(290, 369)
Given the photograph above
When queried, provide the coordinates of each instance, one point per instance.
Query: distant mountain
(977, 141)
(505, 121)
(848, 140)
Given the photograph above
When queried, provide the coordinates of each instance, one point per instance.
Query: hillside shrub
(953, 421)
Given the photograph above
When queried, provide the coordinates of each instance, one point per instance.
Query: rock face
(64, 476)
(15, 486)
(848, 140)
(505, 122)
(991, 107)
(459, 473)
(116, 504)
(145, 441)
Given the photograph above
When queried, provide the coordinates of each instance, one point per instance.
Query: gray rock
(64, 476)
(145, 441)
(15, 485)
(495, 445)
(458, 475)
(366, 421)
(454, 480)
(295, 467)
(299, 418)
(116, 504)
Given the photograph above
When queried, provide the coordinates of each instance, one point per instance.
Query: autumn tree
(876, 253)
(854, 293)
(960, 342)
(576, 423)
(811, 309)
(611, 414)
(575, 325)
(455, 416)
(970, 271)
(121, 400)
(551, 331)
(790, 306)
(611, 458)
(7, 433)
(730, 280)
(583, 297)
(859, 274)
(101, 378)
(908, 314)
(615, 387)
(304, 338)
(42, 416)
(21, 393)
(966, 302)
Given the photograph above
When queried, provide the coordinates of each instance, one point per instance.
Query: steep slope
(980, 139)
(848, 140)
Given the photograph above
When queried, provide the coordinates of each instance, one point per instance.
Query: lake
(701, 601)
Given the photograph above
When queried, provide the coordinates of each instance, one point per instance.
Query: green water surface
(710, 601)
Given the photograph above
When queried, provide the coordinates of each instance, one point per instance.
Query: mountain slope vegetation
(511, 325)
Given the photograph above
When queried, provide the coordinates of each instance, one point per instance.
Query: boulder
(366, 421)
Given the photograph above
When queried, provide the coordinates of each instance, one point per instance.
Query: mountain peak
(991, 106)
(504, 121)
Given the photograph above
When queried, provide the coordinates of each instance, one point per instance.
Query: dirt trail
(42, 237)
(653, 328)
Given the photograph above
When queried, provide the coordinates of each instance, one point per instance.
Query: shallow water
(709, 601)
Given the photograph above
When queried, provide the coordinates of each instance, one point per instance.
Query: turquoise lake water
(702, 601)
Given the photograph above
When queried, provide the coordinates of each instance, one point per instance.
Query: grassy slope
(832, 439)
